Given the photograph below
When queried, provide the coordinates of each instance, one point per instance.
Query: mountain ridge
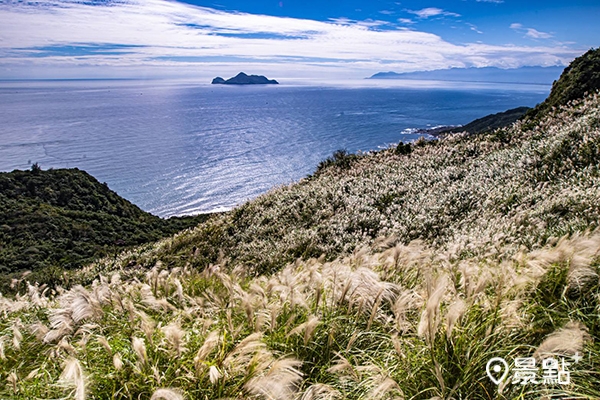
(528, 75)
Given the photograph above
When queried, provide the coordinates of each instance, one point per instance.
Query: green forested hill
(581, 77)
(66, 218)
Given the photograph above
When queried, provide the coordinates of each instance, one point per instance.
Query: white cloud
(176, 38)
(530, 32)
(537, 34)
(432, 12)
(474, 28)
(491, 1)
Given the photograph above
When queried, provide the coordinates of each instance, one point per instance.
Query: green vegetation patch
(65, 218)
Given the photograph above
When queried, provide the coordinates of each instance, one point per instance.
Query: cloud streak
(530, 32)
(172, 36)
(432, 12)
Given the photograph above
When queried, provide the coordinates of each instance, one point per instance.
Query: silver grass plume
(166, 394)
(279, 383)
(430, 316)
(308, 328)
(210, 343)
(175, 337)
(455, 311)
(73, 375)
(567, 340)
(140, 350)
(321, 391)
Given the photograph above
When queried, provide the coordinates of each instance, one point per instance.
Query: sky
(303, 39)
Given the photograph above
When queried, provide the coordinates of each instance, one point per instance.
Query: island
(243, 79)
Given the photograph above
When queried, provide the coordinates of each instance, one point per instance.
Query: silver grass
(407, 300)
(307, 328)
(429, 321)
(64, 344)
(280, 382)
(104, 342)
(139, 348)
(117, 361)
(175, 337)
(241, 356)
(455, 311)
(13, 380)
(343, 366)
(384, 387)
(147, 325)
(2, 351)
(73, 375)
(166, 394)
(179, 291)
(82, 305)
(33, 374)
(17, 335)
(214, 374)
(39, 330)
(567, 340)
(210, 343)
(321, 391)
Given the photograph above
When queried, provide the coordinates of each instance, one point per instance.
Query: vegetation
(580, 78)
(390, 275)
(491, 122)
(66, 218)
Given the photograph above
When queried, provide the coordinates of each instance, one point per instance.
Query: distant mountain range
(243, 79)
(530, 75)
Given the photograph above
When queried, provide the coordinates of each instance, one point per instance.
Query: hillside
(490, 122)
(581, 77)
(66, 218)
(397, 274)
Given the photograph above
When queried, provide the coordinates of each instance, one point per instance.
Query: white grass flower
(73, 375)
(321, 391)
(455, 311)
(17, 335)
(280, 382)
(214, 374)
(307, 328)
(139, 347)
(175, 337)
(210, 343)
(13, 381)
(430, 317)
(167, 394)
(117, 361)
(567, 340)
(104, 342)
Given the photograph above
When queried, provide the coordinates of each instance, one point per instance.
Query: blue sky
(286, 39)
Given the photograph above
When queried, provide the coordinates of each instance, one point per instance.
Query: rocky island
(243, 79)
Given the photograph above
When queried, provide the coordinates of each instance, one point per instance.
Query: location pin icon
(494, 369)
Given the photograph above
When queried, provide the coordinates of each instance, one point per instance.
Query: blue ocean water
(180, 148)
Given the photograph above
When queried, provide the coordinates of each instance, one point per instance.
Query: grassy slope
(66, 218)
(217, 311)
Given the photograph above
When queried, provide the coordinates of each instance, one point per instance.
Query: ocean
(176, 148)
